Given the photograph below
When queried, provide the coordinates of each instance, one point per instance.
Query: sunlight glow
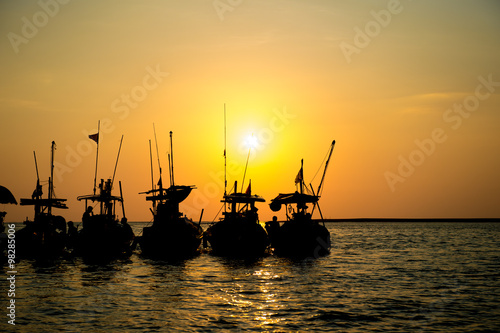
(251, 142)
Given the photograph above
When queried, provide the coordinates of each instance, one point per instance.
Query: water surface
(380, 277)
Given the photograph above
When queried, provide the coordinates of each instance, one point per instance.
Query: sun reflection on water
(258, 301)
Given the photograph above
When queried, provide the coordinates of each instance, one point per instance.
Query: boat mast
(246, 166)
(169, 169)
(38, 190)
(301, 176)
(225, 147)
(36, 168)
(316, 204)
(116, 163)
(97, 154)
(152, 177)
(326, 166)
(171, 161)
(121, 196)
(51, 182)
(158, 157)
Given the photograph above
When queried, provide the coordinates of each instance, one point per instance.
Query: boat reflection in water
(172, 235)
(239, 232)
(299, 235)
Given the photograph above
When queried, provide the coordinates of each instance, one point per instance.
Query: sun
(251, 142)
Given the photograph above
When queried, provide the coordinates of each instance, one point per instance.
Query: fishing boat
(238, 233)
(172, 234)
(300, 234)
(103, 235)
(45, 236)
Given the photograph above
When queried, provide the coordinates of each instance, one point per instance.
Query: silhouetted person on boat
(87, 216)
(272, 227)
(72, 230)
(37, 193)
(128, 235)
(127, 229)
(72, 233)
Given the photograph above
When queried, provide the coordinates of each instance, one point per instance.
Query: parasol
(6, 196)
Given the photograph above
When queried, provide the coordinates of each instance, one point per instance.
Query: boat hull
(43, 238)
(103, 239)
(171, 239)
(237, 238)
(300, 238)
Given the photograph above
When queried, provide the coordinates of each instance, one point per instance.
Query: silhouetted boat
(299, 235)
(172, 235)
(103, 236)
(239, 232)
(45, 236)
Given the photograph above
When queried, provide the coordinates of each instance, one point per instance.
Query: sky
(410, 91)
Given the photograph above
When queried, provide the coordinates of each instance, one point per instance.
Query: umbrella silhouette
(6, 196)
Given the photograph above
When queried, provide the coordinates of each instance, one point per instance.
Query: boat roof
(176, 193)
(242, 198)
(97, 197)
(55, 203)
(296, 197)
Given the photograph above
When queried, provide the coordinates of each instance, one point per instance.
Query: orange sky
(408, 89)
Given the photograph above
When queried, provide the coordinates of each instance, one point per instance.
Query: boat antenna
(97, 153)
(246, 166)
(326, 166)
(157, 156)
(225, 158)
(116, 163)
(171, 159)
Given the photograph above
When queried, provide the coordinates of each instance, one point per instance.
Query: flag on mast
(94, 137)
(300, 176)
(249, 188)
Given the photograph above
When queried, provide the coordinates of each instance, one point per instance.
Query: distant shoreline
(491, 220)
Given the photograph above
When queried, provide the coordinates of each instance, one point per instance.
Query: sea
(379, 277)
